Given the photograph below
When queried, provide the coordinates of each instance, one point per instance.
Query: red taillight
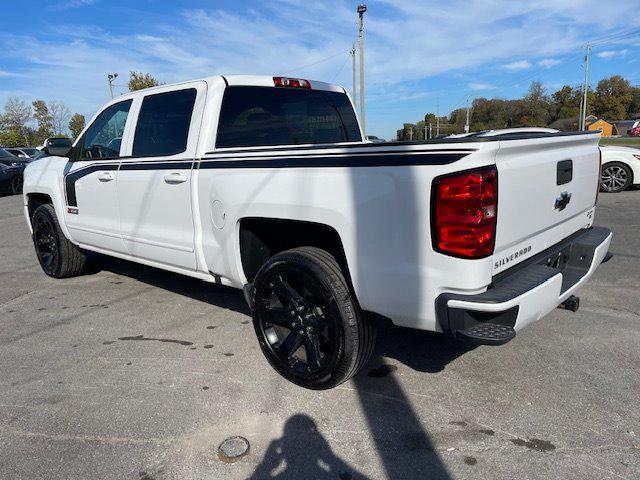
(464, 211)
(291, 82)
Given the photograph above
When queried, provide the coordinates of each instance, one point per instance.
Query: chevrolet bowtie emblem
(562, 201)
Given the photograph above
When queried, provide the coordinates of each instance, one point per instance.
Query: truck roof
(249, 81)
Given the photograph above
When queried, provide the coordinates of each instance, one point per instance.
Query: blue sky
(417, 53)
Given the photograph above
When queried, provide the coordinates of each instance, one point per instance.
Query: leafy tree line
(613, 99)
(24, 124)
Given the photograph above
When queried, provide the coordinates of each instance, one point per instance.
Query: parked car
(374, 139)
(506, 132)
(634, 131)
(620, 168)
(25, 152)
(223, 179)
(10, 160)
(11, 179)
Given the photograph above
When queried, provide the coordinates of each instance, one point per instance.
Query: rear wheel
(58, 257)
(615, 177)
(16, 184)
(308, 323)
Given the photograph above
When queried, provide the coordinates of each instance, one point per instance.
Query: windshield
(5, 154)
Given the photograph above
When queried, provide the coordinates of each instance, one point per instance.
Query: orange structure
(605, 127)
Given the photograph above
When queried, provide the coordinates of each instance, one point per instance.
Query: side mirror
(58, 147)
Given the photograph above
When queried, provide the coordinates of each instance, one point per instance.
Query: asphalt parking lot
(131, 372)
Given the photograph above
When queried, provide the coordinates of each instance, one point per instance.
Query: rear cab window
(267, 116)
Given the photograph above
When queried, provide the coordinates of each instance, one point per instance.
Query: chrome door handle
(173, 178)
(105, 176)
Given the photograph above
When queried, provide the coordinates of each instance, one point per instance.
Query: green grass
(626, 141)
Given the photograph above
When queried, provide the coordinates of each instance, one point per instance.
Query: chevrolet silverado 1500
(266, 184)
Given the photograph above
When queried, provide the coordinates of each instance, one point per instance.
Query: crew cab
(267, 184)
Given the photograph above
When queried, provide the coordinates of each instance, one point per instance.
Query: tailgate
(546, 191)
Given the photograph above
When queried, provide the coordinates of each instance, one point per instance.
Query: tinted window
(163, 123)
(108, 126)
(6, 154)
(259, 116)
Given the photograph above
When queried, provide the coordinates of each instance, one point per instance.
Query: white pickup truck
(266, 184)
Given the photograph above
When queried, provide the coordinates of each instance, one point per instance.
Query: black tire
(615, 177)
(307, 320)
(58, 257)
(16, 185)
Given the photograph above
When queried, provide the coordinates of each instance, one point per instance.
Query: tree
(17, 114)
(613, 98)
(43, 117)
(60, 115)
(536, 107)
(11, 138)
(139, 80)
(76, 125)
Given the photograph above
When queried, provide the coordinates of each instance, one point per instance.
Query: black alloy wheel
(16, 184)
(306, 320)
(46, 243)
(58, 257)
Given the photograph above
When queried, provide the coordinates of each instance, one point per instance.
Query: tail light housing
(464, 213)
(291, 82)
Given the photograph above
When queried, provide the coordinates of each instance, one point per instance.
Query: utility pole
(585, 90)
(438, 118)
(353, 69)
(111, 77)
(466, 125)
(361, 9)
(411, 134)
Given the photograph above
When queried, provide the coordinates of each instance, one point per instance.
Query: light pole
(583, 113)
(353, 70)
(361, 9)
(111, 77)
(466, 125)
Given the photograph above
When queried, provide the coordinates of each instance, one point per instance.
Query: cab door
(92, 214)
(154, 182)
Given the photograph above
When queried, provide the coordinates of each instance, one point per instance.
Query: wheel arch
(262, 237)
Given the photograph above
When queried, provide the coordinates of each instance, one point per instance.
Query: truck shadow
(214, 294)
(395, 430)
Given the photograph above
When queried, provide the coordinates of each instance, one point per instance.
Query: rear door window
(163, 123)
(262, 116)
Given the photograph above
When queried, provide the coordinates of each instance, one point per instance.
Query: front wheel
(308, 324)
(615, 177)
(58, 257)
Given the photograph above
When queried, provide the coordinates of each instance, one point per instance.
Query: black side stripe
(335, 161)
(71, 178)
(299, 161)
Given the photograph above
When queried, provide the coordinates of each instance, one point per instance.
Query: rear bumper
(529, 291)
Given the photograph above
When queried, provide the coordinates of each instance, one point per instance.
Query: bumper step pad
(486, 334)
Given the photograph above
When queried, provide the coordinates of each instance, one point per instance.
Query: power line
(315, 63)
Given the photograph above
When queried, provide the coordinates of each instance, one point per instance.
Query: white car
(223, 179)
(506, 132)
(620, 168)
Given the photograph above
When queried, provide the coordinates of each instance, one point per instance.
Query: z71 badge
(510, 258)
